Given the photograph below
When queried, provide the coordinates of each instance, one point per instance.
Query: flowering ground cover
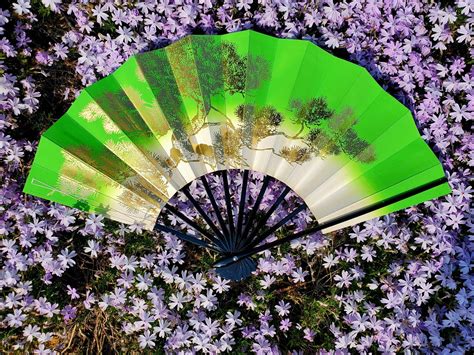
(74, 282)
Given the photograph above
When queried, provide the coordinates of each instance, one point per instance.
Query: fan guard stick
(186, 237)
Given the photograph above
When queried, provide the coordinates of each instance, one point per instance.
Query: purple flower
(308, 334)
(68, 313)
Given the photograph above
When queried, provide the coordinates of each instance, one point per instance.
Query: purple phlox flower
(232, 318)
(66, 218)
(210, 327)
(392, 300)
(136, 228)
(368, 253)
(163, 329)
(66, 258)
(44, 58)
(92, 248)
(52, 4)
(37, 226)
(285, 325)
(126, 279)
(330, 261)
(267, 330)
(22, 7)
(345, 341)
(178, 299)
(144, 281)
(30, 332)
(308, 334)
(198, 282)
(261, 346)
(145, 319)
(267, 281)
(89, 299)
(94, 222)
(147, 339)
(246, 300)
(343, 279)
(69, 313)
(118, 261)
(118, 297)
(283, 308)
(12, 300)
(72, 292)
(208, 301)
(130, 263)
(220, 285)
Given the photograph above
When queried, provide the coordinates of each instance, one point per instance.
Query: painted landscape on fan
(245, 100)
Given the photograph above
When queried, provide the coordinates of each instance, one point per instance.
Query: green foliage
(260, 122)
(311, 112)
(234, 69)
(330, 133)
(108, 26)
(240, 111)
(296, 154)
(269, 115)
(294, 340)
(82, 205)
(257, 71)
(43, 10)
(103, 280)
(356, 147)
(322, 143)
(139, 244)
(318, 314)
(242, 74)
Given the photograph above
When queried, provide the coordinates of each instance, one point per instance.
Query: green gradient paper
(242, 100)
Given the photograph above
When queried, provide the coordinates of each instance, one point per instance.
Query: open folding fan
(247, 101)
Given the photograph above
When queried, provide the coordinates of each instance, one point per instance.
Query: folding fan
(284, 108)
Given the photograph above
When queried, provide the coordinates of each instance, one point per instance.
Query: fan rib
(260, 238)
(173, 115)
(245, 125)
(272, 209)
(413, 173)
(363, 201)
(192, 73)
(294, 177)
(178, 181)
(259, 95)
(185, 237)
(203, 214)
(193, 51)
(196, 226)
(253, 212)
(228, 203)
(216, 209)
(243, 194)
